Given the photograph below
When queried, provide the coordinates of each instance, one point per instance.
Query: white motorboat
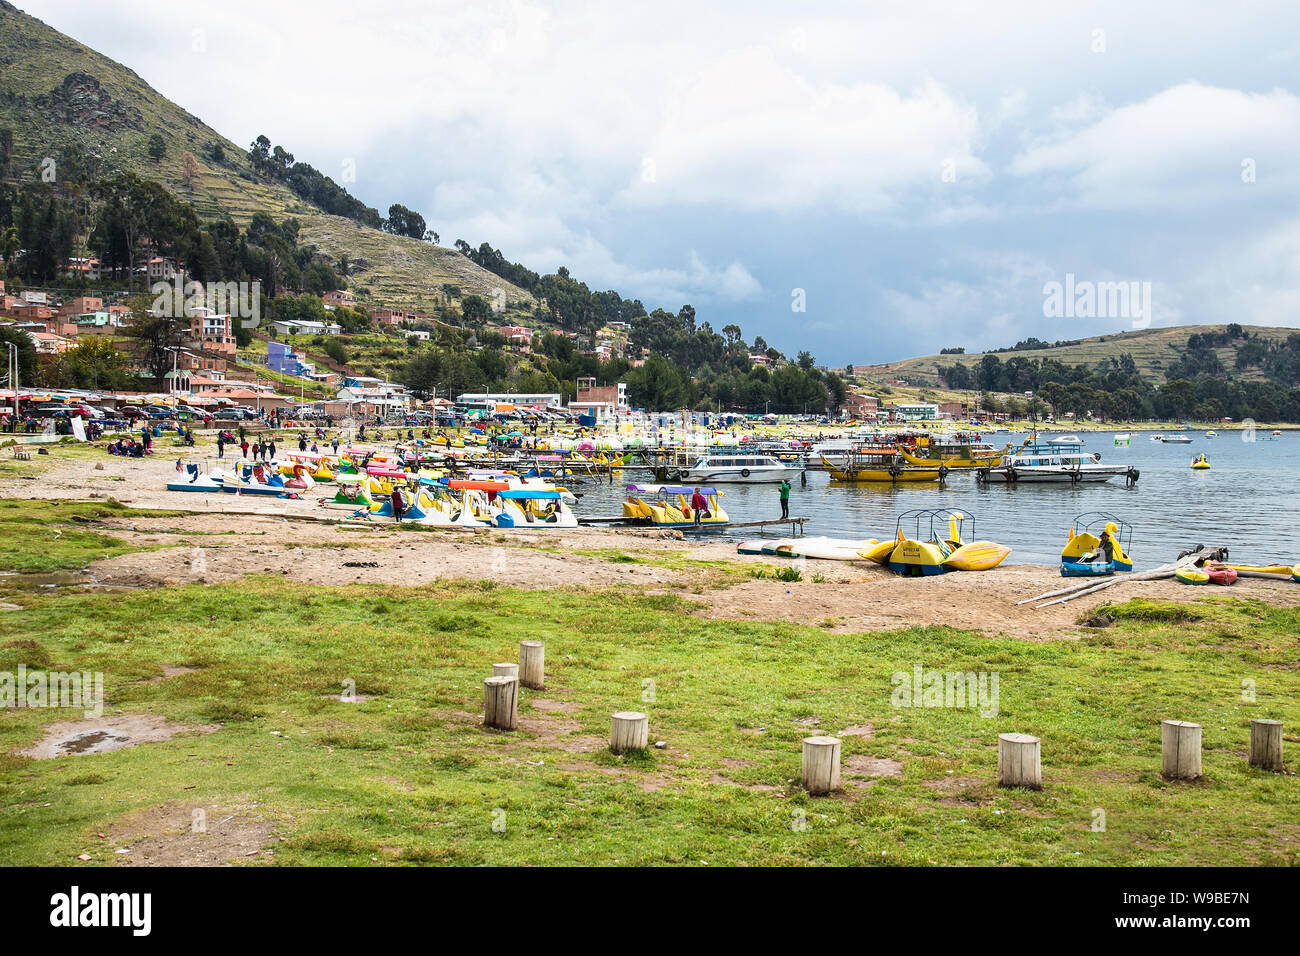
(1177, 439)
(738, 469)
(1040, 464)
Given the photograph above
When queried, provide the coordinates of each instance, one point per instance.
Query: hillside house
(339, 298)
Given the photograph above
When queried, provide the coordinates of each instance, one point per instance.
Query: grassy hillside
(56, 93)
(1153, 351)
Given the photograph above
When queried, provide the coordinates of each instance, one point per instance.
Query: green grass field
(410, 775)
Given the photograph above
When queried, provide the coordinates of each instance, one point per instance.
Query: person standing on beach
(272, 448)
(221, 445)
(785, 498)
(397, 505)
(698, 504)
(243, 444)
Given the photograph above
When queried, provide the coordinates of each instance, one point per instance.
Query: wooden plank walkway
(796, 524)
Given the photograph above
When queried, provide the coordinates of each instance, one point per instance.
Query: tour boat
(953, 454)
(1178, 439)
(879, 464)
(742, 469)
(1036, 464)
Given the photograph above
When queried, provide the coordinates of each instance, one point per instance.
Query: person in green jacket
(785, 498)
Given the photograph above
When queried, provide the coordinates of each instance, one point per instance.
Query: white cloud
(750, 133)
(1184, 146)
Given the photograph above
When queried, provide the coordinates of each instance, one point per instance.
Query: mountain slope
(1153, 351)
(56, 93)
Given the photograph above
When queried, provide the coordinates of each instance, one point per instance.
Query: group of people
(261, 447)
(129, 448)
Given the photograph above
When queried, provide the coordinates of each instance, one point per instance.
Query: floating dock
(608, 521)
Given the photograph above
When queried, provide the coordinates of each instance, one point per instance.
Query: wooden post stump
(1180, 747)
(628, 730)
(1020, 762)
(821, 764)
(1266, 744)
(532, 664)
(501, 702)
(505, 670)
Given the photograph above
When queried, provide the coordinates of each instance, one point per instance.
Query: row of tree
(1115, 390)
(276, 162)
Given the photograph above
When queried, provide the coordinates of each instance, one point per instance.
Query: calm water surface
(1246, 501)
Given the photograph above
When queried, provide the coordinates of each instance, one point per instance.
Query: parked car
(235, 413)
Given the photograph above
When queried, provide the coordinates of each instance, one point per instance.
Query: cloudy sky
(914, 172)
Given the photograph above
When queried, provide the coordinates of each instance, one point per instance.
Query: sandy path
(865, 597)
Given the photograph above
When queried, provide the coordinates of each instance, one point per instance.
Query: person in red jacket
(698, 504)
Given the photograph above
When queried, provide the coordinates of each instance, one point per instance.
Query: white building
(546, 399)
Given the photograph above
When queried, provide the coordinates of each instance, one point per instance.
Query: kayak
(1210, 574)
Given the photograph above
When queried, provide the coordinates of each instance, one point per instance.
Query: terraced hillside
(57, 93)
(1153, 351)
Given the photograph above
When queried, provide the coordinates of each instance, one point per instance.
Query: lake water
(1246, 501)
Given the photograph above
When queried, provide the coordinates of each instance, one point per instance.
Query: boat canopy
(478, 485)
(670, 489)
(528, 493)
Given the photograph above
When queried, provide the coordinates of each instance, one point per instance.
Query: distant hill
(1154, 352)
(56, 93)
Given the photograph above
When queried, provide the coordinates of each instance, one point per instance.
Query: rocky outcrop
(81, 102)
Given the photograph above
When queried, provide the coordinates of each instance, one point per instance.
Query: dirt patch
(858, 730)
(169, 670)
(182, 835)
(959, 791)
(560, 706)
(860, 765)
(722, 781)
(98, 735)
(548, 728)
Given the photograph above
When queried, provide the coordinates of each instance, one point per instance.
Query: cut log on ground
(1020, 761)
(532, 664)
(629, 730)
(821, 765)
(1180, 750)
(501, 702)
(1266, 744)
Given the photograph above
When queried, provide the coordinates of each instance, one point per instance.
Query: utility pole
(13, 378)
